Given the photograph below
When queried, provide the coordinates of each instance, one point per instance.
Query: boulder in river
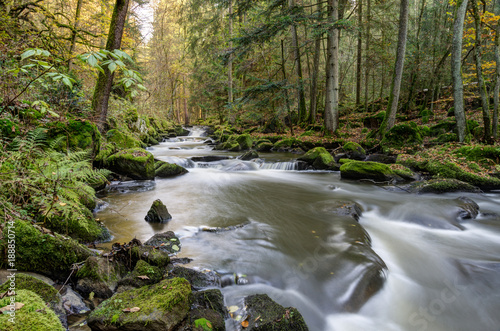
(165, 169)
(467, 208)
(366, 170)
(158, 213)
(354, 151)
(208, 309)
(136, 163)
(319, 158)
(157, 307)
(197, 279)
(249, 155)
(99, 276)
(142, 275)
(264, 146)
(265, 314)
(441, 185)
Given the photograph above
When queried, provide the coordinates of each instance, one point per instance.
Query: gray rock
(73, 303)
(467, 208)
(197, 279)
(158, 213)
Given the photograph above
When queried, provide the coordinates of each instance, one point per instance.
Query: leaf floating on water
(131, 310)
(175, 248)
(143, 277)
(233, 309)
(244, 324)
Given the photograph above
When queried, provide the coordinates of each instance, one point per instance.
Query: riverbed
(438, 272)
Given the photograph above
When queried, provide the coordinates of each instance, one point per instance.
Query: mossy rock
(79, 224)
(285, 144)
(354, 151)
(45, 253)
(158, 213)
(162, 307)
(76, 134)
(150, 254)
(208, 311)
(481, 152)
(442, 127)
(230, 145)
(249, 155)
(374, 121)
(99, 276)
(197, 279)
(166, 170)
(402, 135)
(265, 314)
(344, 161)
(442, 185)
(319, 158)
(9, 129)
(122, 139)
(366, 170)
(166, 242)
(245, 141)
(403, 172)
(34, 315)
(26, 282)
(264, 146)
(446, 138)
(142, 275)
(135, 163)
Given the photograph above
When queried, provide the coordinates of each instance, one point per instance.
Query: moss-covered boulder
(158, 307)
(41, 251)
(366, 170)
(165, 169)
(404, 135)
(249, 155)
(32, 314)
(442, 185)
(403, 172)
(99, 276)
(230, 145)
(142, 275)
(480, 153)
(158, 213)
(264, 146)
(122, 139)
(285, 144)
(245, 141)
(135, 163)
(75, 134)
(8, 128)
(208, 310)
(150, 254)
(354, 151)
(319, 158)
(265, 314)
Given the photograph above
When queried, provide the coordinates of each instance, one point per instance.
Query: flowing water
(437, 272)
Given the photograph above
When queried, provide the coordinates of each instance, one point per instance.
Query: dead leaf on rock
(131, 310)
(143, 277)
(17, 306)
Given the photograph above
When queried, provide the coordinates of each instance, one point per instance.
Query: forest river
(407, 264)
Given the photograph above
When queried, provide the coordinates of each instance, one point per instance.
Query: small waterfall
(198, 131)
(293, 165)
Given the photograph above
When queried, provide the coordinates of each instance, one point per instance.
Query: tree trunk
(496, 90)
(287, 101)
(231, 117)
(456, 70)
(479, 71)
(73, 33)
(332, 104)
(186, 114)
(360, 55)
(315, 73)
(392, 107)
(104, 82)
(298, 68)
(367, 49)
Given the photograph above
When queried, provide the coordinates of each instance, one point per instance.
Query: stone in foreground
(158, 213)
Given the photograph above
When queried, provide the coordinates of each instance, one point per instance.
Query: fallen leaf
(255, 320)
(131, 310)
(233, 309)
(244, 324)
(17, 306)
(175, 248)
(143, 277)
(62, 204)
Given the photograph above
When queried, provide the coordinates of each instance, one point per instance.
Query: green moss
(230, 145)
(402, 135)
(122, 139)
(203, 323)
(26, 282)
(8, 128)
(136, 163)
(353, 147)
(442, 127)
(165, 303)
(34, 315)
(165, 169)
(442, 185)
(47, 254)
(286, 143)
(366, 170)
(446, 138)
(343, 161)
(264, 146)
(75, 134)
(402, 171)
(151, 255)
(477, 153)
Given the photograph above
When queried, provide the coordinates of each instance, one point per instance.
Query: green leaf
(92, 61)
(120, 63)
(112, 67)
(175, 248)
(28, 53)
(141, 87)
(67, 82)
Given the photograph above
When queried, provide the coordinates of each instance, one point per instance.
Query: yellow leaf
(63, 204)
(244, 324)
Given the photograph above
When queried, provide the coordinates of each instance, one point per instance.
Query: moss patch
(163, 305)
(48, 254)
(122, 139)
(319, 157)
(136, 163)
(442, 185)
(34, 315)
(366, 170)
(165, 169)
(26, 282)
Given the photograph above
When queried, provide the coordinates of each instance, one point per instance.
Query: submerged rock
(158, 213)
(265, 314)
(467, 208)
(158, 307)
(344, 208)
(249, 155)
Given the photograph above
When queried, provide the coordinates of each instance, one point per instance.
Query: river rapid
(411, 265)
